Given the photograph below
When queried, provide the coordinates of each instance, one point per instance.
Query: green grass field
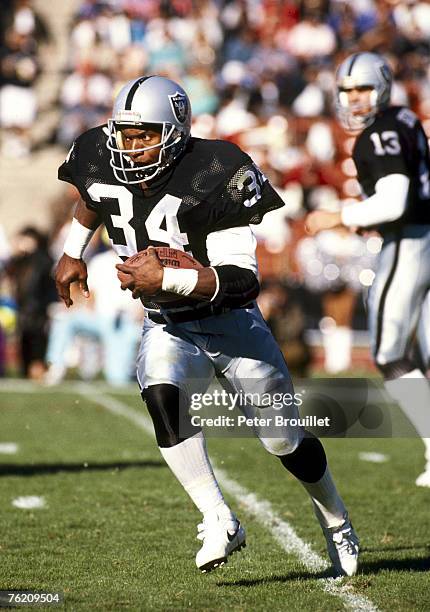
(117, 532)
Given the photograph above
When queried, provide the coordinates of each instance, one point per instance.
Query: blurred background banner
(259, 73)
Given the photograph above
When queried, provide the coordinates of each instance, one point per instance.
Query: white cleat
(343, 547)
(423, 479)
(54, 375)
(221, 534)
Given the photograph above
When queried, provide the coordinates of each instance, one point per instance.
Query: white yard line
(374, 457)
(260, 509)
(8, 448)
(28, 502)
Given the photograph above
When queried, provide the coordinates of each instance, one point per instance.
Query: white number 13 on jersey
(387, 143)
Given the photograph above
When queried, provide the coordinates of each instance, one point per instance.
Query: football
(170, 258)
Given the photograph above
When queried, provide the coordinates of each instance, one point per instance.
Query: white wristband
(182, 282)
(77, 240)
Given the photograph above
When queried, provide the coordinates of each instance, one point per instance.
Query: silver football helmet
(154, 100)
(362, 70)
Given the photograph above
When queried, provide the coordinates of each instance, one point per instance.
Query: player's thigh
(167, 357)
(401, 282)
(257, 373)
(257, 362)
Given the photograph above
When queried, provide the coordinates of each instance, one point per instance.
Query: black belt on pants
(193, 315)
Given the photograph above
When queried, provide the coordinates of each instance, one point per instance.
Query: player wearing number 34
(392, 159)
(154, 185)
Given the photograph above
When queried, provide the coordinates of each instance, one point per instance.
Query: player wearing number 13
(391, 155)
(152, 185)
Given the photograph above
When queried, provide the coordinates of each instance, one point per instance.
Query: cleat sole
(216, 563)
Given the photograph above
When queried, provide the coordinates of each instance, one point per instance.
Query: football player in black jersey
(152, 184)
(391, 155)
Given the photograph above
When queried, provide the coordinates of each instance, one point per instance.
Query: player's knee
(396, 369)
(167, 407)
(283, 446)
(308, 462)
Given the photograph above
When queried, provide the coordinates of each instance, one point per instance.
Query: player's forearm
(86, 217)
(83, 226)
(386, 205)
(227, 285)
(236, 286)
(206, 285)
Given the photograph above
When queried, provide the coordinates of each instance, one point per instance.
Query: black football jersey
(395, 143)
(213, 186)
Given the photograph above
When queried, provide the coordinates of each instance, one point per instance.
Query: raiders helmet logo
(179, 104)
(385, 71)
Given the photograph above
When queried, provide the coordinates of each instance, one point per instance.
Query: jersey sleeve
(86, 164)
(247, 197)
(69, 172)
(229, 188)
(243, 198)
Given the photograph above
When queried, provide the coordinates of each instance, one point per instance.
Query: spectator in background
(110, 317)
(285, 318)
(86, 96)
(337, 266)
(21, 16)
(22, 29)
(5, 311)
(4, 249)
(199, 84)
(165, 52)
(311, 38)
(19, 69)
(29, 270)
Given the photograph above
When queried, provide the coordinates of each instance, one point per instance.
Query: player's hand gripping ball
(142, 273)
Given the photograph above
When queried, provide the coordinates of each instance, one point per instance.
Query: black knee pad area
(168, 408)
(308, 462)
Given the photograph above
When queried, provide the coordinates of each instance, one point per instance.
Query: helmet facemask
(141, 103)
(130, 172)
(351, 115)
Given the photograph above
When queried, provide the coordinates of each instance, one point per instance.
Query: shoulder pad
(406, 116)
(88, 161)
(92, 155)
(217, 156)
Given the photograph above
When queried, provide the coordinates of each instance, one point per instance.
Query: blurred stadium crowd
(259, 73)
